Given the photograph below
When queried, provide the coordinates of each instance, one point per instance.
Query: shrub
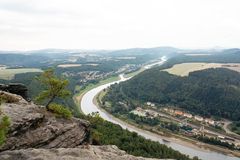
(4, 125)
(4, 120)
(60, 110)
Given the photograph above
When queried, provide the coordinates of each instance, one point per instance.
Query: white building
(165, 109)
(188, 115)
(140, 112)
(198, 118)
(151, 104)
(209, 121)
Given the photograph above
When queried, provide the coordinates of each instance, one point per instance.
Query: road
(228, 131)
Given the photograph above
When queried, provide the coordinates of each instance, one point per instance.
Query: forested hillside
(208, 92)
(107, 133)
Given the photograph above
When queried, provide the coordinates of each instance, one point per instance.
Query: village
(190, 125)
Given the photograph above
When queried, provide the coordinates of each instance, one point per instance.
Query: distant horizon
(102, 49)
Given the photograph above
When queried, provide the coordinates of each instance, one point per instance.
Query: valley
(120, 80)
(88, 100)
(213, 129)
(94, 80)
(90, 106)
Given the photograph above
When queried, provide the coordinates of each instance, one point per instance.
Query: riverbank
(173, 138)
(78, 97)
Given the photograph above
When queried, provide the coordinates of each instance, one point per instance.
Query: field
(68, 65)
(184, 69)
(75, 65)
(199, 54)
(8, 74)
(92, 64)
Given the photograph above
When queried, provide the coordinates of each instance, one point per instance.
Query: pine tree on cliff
(55, 88)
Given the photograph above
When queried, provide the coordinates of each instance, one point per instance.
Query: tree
(55, 88)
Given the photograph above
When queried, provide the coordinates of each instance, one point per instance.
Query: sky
(116, 24)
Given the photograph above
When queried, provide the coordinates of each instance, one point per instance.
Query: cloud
(93, 24)
(23, 7)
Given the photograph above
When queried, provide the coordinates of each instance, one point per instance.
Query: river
(88, 107)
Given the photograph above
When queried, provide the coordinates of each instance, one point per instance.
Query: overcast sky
(114, 24)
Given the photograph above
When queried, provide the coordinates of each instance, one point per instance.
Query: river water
(88, 107)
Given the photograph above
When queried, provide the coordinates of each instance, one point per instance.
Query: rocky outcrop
(79, 153)
(34, 127)
(36, 134)
(15, 88)
(12, 98)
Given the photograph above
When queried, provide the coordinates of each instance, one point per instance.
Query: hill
(210, 92)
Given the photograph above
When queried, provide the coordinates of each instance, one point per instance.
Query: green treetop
(55, 87)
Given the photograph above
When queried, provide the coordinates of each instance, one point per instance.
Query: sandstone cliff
(79, 153)
(34, 127)
(36, 134)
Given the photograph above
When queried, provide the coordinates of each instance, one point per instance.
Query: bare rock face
(34, 127)
(79, 153)
(15, 88)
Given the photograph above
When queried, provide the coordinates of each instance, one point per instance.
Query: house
(177, 112)
(195, 131)
(139, 111)
(221, 137)
(165, 109)
(171, 111)
(150, 104)
(237, 145)
(188, 115)
(198, 118)
(152, 113)
(209, 121)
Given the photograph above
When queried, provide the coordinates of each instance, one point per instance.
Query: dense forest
(106, 133)
(211, 92)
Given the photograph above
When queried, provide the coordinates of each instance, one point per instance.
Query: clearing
(184, 69)
(68, 65)
(8, 74)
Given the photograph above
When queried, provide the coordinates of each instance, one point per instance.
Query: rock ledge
(79, 153)
(34, 127)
